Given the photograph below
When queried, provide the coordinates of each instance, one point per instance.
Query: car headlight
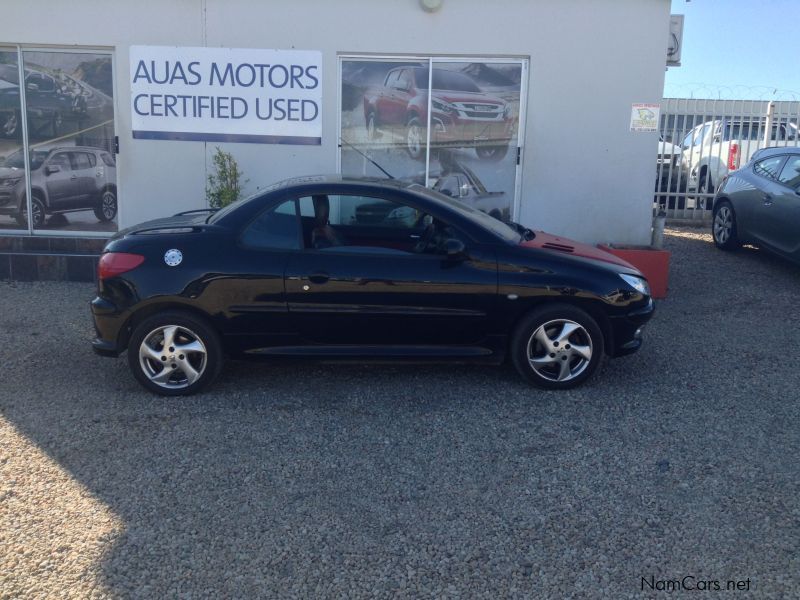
(12, 181)
(638, 283)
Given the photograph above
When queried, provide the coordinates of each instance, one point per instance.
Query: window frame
(781, 163)
(389, 251)
(786, 184)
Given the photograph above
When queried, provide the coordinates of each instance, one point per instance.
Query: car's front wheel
(107, 209)
(723, 228)
(491, 153)
(557, 347)
(174, 354)
(415, 139)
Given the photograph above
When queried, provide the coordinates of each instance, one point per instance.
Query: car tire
(557, 347)
(183, 367)
(39, 213)
(107, 209)
(705, 186)
(372, 127)
(491, 153)
(415, 139)
(723, 226)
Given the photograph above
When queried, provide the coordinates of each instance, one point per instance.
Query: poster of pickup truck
(471, 107)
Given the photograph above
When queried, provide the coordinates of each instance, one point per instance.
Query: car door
(59, 180)
(82, 179)
(375, 290)
(758, 215)
(782, 214)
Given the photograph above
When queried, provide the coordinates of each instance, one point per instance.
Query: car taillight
(115, 263)
(733, 157)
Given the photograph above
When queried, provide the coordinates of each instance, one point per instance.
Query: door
(758, 214)
(782, 216)
(386, 282)
(83, 176)
(60, 181)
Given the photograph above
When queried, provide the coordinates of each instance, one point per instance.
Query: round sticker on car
(173, 257)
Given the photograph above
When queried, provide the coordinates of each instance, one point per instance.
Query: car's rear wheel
(557, 347)
(493, 153)
(107, 209)
(705, 186)
(723, 226)
(415, 138)
(174, 354)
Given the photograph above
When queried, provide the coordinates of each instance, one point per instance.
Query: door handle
(74, 177)
(319, 277)
(767, 199)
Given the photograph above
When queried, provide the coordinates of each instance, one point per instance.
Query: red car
(462, 116)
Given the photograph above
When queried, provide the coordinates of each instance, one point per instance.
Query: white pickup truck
(713, 148)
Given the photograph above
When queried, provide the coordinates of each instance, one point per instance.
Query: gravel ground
(303, 480)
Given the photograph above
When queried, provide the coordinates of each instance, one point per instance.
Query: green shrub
(225, 180)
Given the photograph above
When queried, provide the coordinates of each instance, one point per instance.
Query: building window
(59, 108)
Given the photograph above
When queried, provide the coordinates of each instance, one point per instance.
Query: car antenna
(384, 171)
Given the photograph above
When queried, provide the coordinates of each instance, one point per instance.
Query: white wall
(585, 175)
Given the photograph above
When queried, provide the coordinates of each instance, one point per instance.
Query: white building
(564, 72)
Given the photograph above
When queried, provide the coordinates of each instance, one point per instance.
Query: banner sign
(226, 94)
(644, 117)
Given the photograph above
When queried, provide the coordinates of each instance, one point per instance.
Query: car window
(80, 160)
(391, 78)
(768, 167)
(275, 228)
(60, 160)
(92, 159)
(108, 159)
(790, 174)
(370, 225)
(403, 80)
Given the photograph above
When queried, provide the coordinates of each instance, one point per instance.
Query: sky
(742, 49)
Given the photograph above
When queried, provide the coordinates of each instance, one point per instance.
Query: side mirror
(53, 169)
(455, 249)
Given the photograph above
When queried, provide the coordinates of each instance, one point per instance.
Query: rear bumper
(108, 321)
(627, 330)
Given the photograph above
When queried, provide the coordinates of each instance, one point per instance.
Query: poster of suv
(69, 114)
(474, 126)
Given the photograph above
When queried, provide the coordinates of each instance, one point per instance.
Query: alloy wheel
(414, 139)
(723, 223)
(109, 206)
(172, 356)
(560, 350)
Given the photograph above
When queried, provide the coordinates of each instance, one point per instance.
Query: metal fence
(703, 140)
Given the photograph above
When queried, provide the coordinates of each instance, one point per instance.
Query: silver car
(63, 180)
(760, 204)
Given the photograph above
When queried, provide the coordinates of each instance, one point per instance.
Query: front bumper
(626, 330)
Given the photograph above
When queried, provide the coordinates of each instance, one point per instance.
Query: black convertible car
(298, 271)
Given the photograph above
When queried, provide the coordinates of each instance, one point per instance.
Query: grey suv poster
(70, 133)
(474, 125)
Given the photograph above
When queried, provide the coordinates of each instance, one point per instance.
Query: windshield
(9, 73)
(446, 80)
(16, 160)
(479, 218)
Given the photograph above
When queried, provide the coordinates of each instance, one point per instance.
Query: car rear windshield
(446, 80)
